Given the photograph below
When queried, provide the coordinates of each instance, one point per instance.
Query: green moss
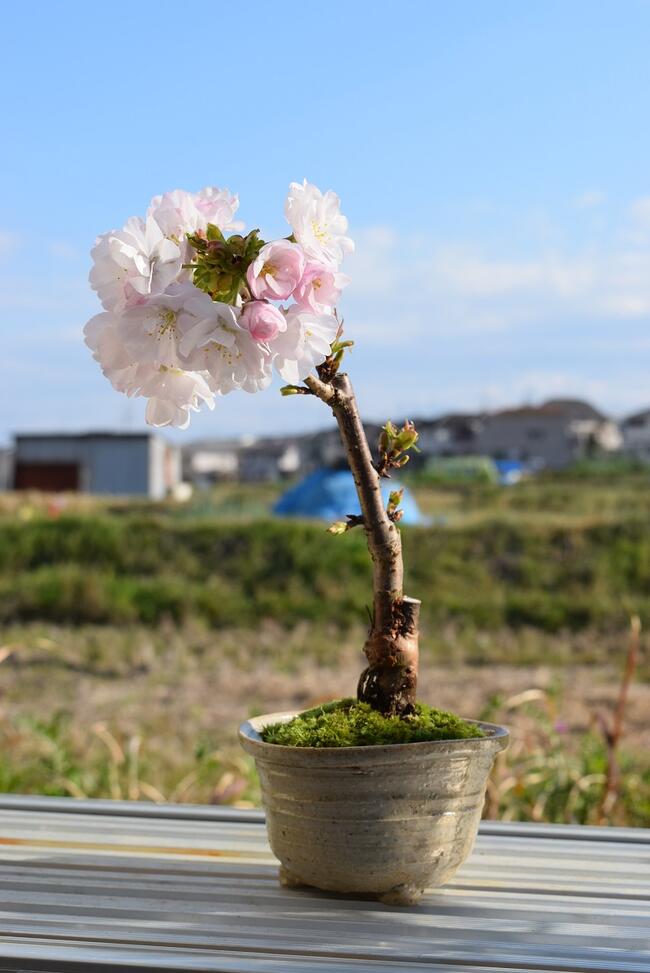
(347, 723)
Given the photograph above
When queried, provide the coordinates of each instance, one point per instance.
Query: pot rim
(249, 734)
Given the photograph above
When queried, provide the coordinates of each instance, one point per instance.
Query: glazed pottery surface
(381, 820)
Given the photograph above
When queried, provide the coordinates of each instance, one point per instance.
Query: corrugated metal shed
(98, 886)
(129, 464)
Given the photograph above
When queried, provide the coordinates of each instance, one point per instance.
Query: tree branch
(392, 646)
(324, 391)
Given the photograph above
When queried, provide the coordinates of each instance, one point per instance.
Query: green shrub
(492, 574)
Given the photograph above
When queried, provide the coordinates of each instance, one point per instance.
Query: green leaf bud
(338, 527)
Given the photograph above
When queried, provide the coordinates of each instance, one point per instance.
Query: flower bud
(262, 320)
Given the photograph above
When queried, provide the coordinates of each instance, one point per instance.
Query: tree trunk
(389, 684)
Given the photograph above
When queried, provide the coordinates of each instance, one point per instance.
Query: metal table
(95, 886)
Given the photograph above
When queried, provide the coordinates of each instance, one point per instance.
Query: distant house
(322, 449)
(636, 435)
(268, 460)
(248, 459)
(209, 461)
(133, 464)
(454, 434)
(552, 435)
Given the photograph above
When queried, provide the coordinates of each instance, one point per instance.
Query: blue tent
(510, 471)
(331, 495)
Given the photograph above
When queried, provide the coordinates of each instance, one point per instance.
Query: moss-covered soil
(348, 723)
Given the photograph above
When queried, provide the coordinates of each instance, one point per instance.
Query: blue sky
(493, 160)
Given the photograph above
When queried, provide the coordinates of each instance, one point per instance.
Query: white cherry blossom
(236, 361)
(305, 344)
(151, 332)
(179, 212)
(173, 394)
(102, 337)
(317, 223)
(134, 263)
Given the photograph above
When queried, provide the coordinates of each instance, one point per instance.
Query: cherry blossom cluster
(193, 309)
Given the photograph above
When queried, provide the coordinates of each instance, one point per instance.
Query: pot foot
(288, 880)
(401, 895)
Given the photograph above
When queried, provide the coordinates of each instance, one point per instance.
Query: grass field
(135, 637)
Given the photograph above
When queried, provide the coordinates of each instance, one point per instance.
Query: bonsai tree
(194, 309)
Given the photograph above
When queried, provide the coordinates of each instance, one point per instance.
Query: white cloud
(9, 242)
(590, 199)
(639, 210)
(432, 288)
(477, 276)
(63, 250)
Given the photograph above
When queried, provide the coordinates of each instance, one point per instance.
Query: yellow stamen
(320, 232)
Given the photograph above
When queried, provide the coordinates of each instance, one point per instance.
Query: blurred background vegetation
(136, 636)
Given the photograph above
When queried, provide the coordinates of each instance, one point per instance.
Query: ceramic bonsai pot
(388, 821)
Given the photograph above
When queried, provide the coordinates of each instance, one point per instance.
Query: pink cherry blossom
(277, 270)
(262, 320)
(320, 287)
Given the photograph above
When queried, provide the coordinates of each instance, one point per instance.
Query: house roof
(143, 434)
(637, 418)
(561, 408)
(448, 419)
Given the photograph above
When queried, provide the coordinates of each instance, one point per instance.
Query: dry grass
(152, 714)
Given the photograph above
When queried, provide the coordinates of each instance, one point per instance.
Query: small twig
(326, 393)
(342, 526)
(354, 520)
(295, 390)
(612, 732)
(628, 675)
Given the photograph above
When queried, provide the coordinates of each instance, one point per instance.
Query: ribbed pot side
(384, 820)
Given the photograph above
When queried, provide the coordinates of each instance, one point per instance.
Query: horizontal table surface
(93, 886)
